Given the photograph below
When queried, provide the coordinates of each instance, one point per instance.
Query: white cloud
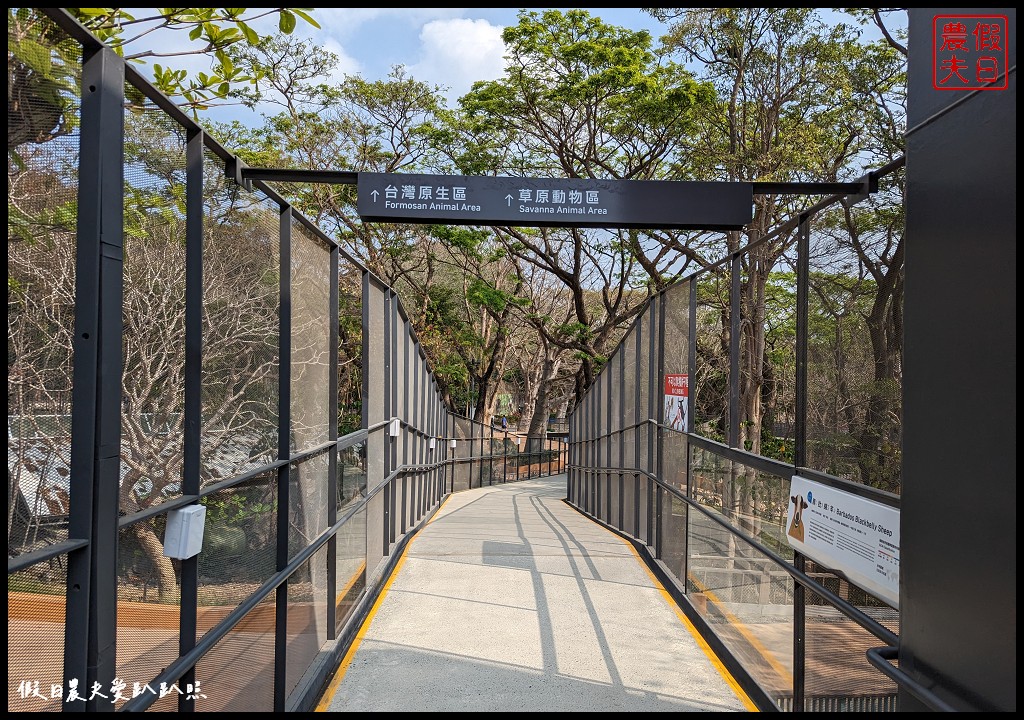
(344, 22)
(347, 65)
(458, 52)
(436, 45)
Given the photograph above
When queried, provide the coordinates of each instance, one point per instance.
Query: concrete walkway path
(511, 600)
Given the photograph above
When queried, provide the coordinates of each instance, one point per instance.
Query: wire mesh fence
(780, 360)
(177, 338)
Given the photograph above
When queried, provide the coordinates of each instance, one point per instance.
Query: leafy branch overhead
(209, 31)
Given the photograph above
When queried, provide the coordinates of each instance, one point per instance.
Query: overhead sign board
(550, 202)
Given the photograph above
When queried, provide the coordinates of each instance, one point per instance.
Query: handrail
(879, 659)
(760, 462)
(20, 562)
(185, 662)
(852, 612)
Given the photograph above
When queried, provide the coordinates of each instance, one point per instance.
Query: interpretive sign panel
(846, 532)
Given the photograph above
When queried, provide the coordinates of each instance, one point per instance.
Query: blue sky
(449, 47)
(446, 46)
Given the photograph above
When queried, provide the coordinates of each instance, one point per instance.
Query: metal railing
(186, 322)
(680, 472)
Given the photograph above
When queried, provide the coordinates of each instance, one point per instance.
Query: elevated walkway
(511, 600)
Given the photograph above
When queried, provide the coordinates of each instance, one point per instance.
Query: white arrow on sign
(509, 199)
(375, 194)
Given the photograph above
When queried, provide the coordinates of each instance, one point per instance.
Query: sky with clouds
(451, 47)
(448, 47)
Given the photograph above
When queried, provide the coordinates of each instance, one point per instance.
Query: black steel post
(735, 308)
(653, 398)
(691, 369)
(284, 386)
(449, 467)
(435, 431)
(691, 358)
(411, 435)
(388, 410)
(436, 455)
(660, 529)
(191, 450)
(595, 451)
(421, 441)
(637, 429)
(600, 454)
(616, 385)
(529, 457)
(800, 451)
(91, 628)
(332, 430)
(364, 352)
(586, 453)
(472, 442)
(407, 486)
(393, 521)
(802, 290)
(584, 449)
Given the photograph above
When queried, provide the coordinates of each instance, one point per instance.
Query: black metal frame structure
(628, 469)
(619, 467)
(413, 449)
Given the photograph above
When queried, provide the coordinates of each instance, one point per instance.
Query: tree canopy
(530, 315)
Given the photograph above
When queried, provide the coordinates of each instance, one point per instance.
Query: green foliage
(236, 507)
(442, 308)
(41, 225)
(483, 294)
(781, 96)
(43, 69)
(776, 447)
(464, 239)
(212, 31)
(582, 98)
(575, 331)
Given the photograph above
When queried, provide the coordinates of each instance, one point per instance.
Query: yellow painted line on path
(715, 662)
(339, 675)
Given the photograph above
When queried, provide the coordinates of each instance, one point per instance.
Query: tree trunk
(539, 419)
(533, 379)
(584, 378)
(751, 370)
(154, 550)
(875, 431)
(752, 343)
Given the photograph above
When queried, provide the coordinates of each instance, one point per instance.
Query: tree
(882, 18)
(459, 295)
(488, 290)
(580, 99)
(211, 30)
(790, 109)
(43, 64)
(784, 115)
(542, 362)
(240, 324)
(41, 80)
(863, 245)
